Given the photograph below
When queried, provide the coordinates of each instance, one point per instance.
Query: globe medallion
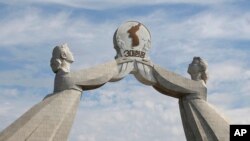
(132, 40)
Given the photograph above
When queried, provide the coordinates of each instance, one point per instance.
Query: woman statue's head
(61, 58)
(198, 69)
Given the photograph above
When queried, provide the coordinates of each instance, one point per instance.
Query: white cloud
(238, 116)
(138, 113)
(221, 25)
(99, 4)
(208, 24)
(31, 26)
(227, 71)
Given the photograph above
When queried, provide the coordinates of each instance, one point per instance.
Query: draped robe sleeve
(86, 79)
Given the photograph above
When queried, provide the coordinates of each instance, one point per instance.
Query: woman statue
(52, 118)
(200, 120)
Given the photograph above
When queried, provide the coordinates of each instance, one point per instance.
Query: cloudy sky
(217, 30)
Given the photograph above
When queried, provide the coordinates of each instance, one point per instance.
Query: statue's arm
(95, 77)
(175, 85)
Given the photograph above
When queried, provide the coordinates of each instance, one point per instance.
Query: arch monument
(52, 118)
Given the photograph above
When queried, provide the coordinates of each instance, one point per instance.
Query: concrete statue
(52, 118)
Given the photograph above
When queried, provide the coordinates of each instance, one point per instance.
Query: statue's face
(69, 55)
(55, 65)
(61, 54)
(194, 69)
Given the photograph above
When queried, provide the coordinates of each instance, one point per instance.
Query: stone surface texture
(49, 120)
(52, 118)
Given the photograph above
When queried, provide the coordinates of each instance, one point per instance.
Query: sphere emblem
(132, 39)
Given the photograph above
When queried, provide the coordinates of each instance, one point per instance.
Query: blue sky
(217, 30)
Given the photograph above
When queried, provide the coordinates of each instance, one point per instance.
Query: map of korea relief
(132, 34)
